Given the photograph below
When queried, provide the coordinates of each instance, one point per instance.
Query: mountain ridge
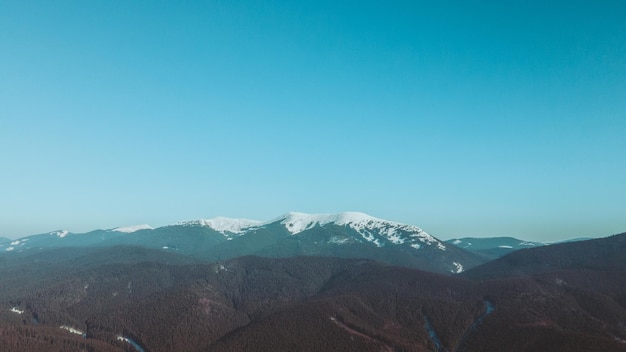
(347, 235)
(223, 223)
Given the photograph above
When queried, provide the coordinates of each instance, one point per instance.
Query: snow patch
(72, 330)
(60, 233)
(396, 239)
(16, 310)
(135, 345)
(131, 229)
(458, 268)
(503, 246)
(457, 242)
(339, 240)
(15, 243)
(219, 267)
(8, 249)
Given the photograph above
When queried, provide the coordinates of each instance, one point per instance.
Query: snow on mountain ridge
(371, 229)
(298, 222)
(225, 225)
(364, 224)
(131, 229)
(60, 233)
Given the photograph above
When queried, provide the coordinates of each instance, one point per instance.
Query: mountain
(114, 298)
(605, 254)
(345, 235)
(351, 235)
(492, 247)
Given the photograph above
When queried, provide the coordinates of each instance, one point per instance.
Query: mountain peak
(297, 222)
(362, 223)
(223, 224)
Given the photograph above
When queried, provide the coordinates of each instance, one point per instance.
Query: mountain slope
(300, 303)
(492, 247)
(351, 235)
(554, 297)
(598, 254)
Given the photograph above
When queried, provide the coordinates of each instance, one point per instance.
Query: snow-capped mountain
(371, 229)
(349, 234)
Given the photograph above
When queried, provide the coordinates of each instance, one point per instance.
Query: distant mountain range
(346, 235)
(493, 247)
(605, 254)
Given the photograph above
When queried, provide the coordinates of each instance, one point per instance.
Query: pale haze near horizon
(465, 119)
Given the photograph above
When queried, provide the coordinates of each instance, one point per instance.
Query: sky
(465, 118)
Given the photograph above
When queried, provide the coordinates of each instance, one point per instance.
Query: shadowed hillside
(598, 254)
(174, 303)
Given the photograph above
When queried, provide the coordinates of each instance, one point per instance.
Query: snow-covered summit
(369, 227)
(131, 229)
(225, 225)
(298, 222)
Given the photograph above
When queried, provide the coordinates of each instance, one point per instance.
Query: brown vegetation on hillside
(312, 303)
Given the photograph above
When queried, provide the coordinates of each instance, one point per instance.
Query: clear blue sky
(466, 118)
